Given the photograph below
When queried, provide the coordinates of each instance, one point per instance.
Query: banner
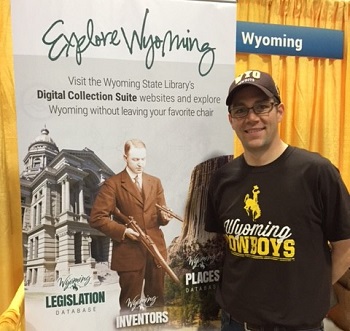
(289, 40)
(90, 76)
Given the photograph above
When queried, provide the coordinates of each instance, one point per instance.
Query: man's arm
(100, 217)
(163, 218)
(340, 258)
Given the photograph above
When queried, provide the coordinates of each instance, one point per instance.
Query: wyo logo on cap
(248, 76)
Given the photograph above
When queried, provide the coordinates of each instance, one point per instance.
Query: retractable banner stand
(89, 76)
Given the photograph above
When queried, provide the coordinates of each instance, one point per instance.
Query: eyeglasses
(259, 108)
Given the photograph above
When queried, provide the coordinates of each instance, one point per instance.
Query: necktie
(137, 182)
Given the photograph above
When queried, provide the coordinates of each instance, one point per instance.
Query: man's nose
(251, 114)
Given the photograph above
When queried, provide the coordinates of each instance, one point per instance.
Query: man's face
(136, 159)
(257, 133)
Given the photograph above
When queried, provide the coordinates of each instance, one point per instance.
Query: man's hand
(165, 214)
(131, 234)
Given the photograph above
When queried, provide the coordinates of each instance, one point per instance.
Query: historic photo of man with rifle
(130, 208)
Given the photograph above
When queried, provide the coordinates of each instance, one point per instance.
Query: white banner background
(175, 102)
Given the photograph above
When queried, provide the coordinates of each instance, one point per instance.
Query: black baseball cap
(261, 80)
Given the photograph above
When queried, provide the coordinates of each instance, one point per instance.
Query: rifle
(147, 242)
(170, 212)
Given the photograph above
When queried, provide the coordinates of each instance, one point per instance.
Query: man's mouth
(253, 130)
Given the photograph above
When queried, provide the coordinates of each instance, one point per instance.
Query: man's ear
(280, 111)
(229, 118)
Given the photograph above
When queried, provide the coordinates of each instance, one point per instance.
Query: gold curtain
(11, 260)
(317, 115)
(12, 319)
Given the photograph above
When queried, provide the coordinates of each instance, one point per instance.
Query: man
(285, 215)
(133, 193)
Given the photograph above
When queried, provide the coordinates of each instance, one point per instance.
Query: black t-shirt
(277, 220)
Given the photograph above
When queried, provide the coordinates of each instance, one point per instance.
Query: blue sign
(289, 40)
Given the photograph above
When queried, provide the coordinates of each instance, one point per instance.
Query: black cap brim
(239, 87)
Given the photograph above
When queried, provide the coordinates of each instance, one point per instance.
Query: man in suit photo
(132, 192)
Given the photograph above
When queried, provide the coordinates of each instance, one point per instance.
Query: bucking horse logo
(252, 204)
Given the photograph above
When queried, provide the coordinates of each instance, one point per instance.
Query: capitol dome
(43, 141)
(40, 154)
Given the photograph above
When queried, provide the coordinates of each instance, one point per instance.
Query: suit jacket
(120, 192)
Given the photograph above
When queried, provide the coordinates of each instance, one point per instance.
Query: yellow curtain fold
(317, 115)
(11, 259)
(12, 319)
